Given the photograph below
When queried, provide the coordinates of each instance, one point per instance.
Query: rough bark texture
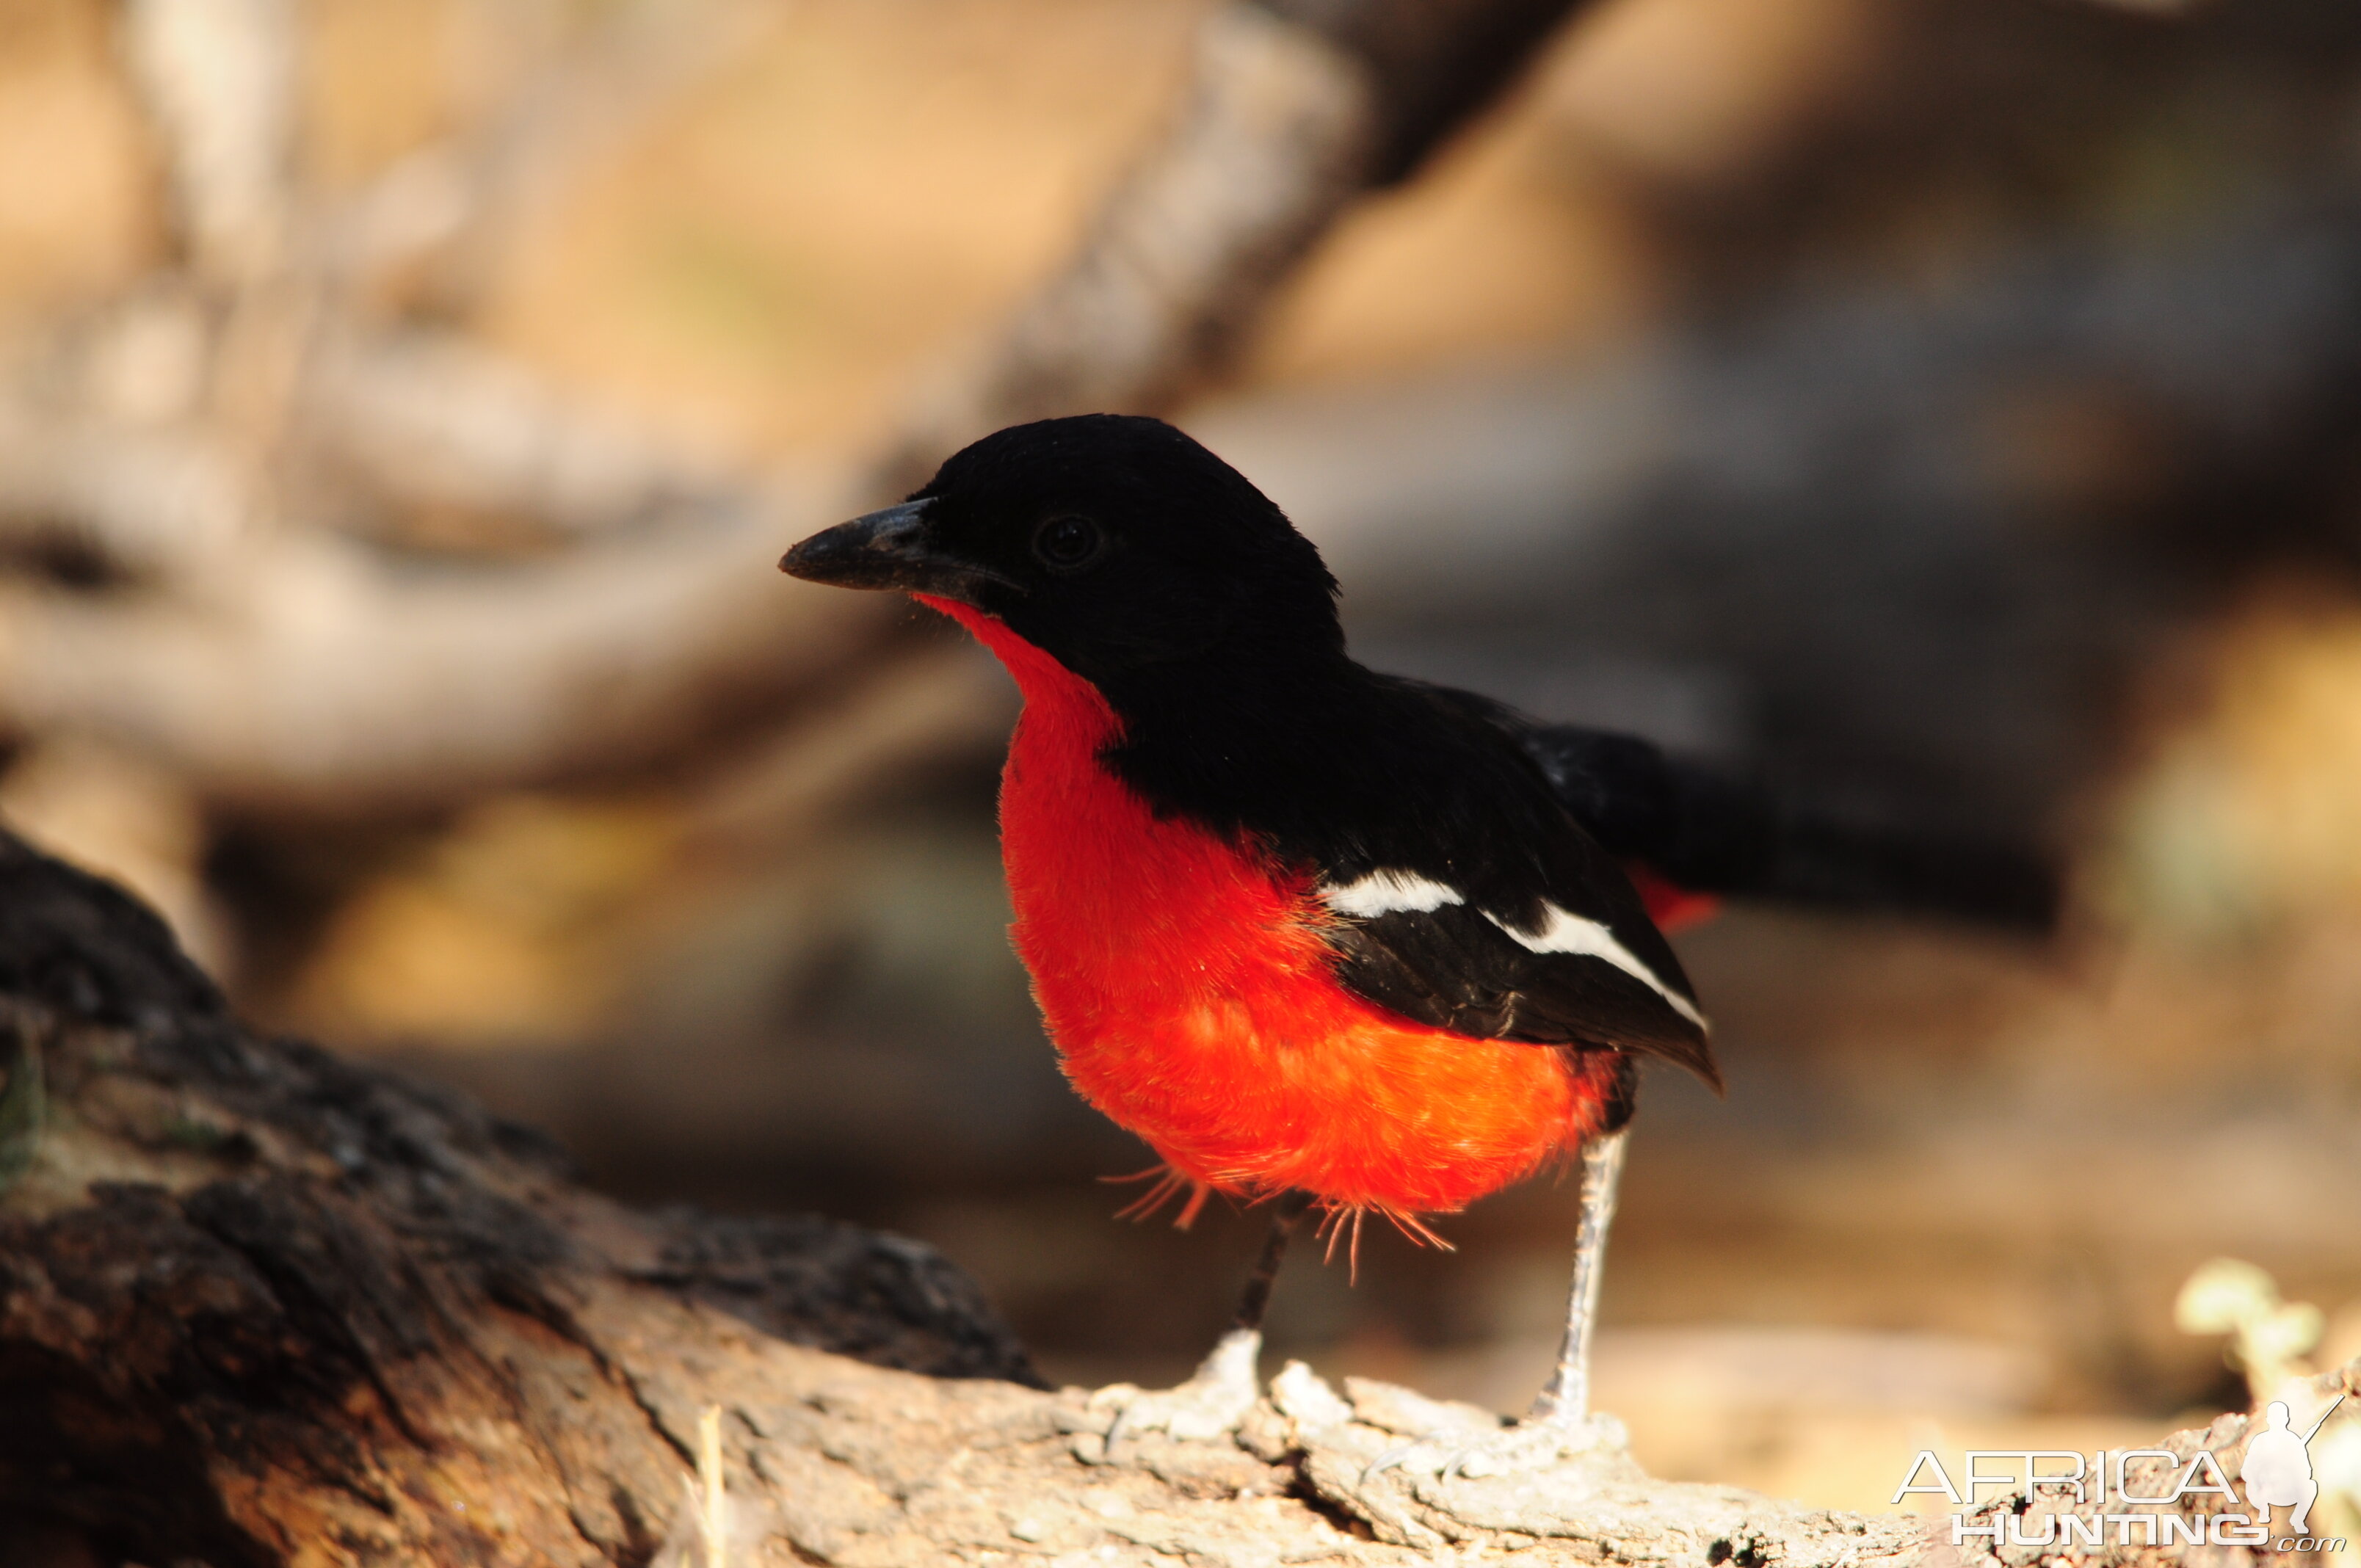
(259, 1305)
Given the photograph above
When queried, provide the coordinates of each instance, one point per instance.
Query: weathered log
(259, 1306)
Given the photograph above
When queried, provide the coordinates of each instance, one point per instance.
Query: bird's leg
(1560, 1422)
(1225, 1387)
(1286, 1210)
(1564, 1399)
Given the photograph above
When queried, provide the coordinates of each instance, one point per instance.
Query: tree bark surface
(259, 1305)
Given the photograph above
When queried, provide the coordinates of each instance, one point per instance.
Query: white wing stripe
(1389, 892)
(1589, 939)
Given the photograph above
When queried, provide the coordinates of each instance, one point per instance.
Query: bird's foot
(1209, 1406)
(1534, 1443)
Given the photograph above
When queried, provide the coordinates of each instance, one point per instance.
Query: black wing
(1470, 900)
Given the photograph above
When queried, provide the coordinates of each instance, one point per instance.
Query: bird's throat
(1048, 686)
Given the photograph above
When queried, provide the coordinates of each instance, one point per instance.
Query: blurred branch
(940, 699)
(270, 659)
(327, 680)
(1297, 107)
(435, 420)
(142, 502)
(217, 78)
(2090, 376)
(1276, 138)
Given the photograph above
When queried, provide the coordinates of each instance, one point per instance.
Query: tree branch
(329, 682)
(219, 80)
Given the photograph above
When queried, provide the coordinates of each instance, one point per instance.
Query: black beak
(885, 549)
(889, 549)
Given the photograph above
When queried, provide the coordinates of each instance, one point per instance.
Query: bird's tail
(1706, 830)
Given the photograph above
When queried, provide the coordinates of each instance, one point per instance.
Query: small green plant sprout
(2270, 1337)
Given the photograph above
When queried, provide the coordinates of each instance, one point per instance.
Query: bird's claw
(1209, 1406)
(1395, 1458)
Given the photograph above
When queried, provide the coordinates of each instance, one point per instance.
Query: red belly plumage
(1186, 984)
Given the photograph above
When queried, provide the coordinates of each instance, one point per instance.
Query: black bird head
(1114, 543)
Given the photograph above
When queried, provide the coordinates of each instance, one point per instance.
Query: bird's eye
(1066, 543)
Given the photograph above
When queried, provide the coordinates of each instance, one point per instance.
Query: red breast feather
(1185, 982)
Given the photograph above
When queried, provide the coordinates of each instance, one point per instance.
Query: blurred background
(1947, 403)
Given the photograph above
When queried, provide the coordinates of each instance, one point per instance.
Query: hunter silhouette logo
(2277, 1470)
